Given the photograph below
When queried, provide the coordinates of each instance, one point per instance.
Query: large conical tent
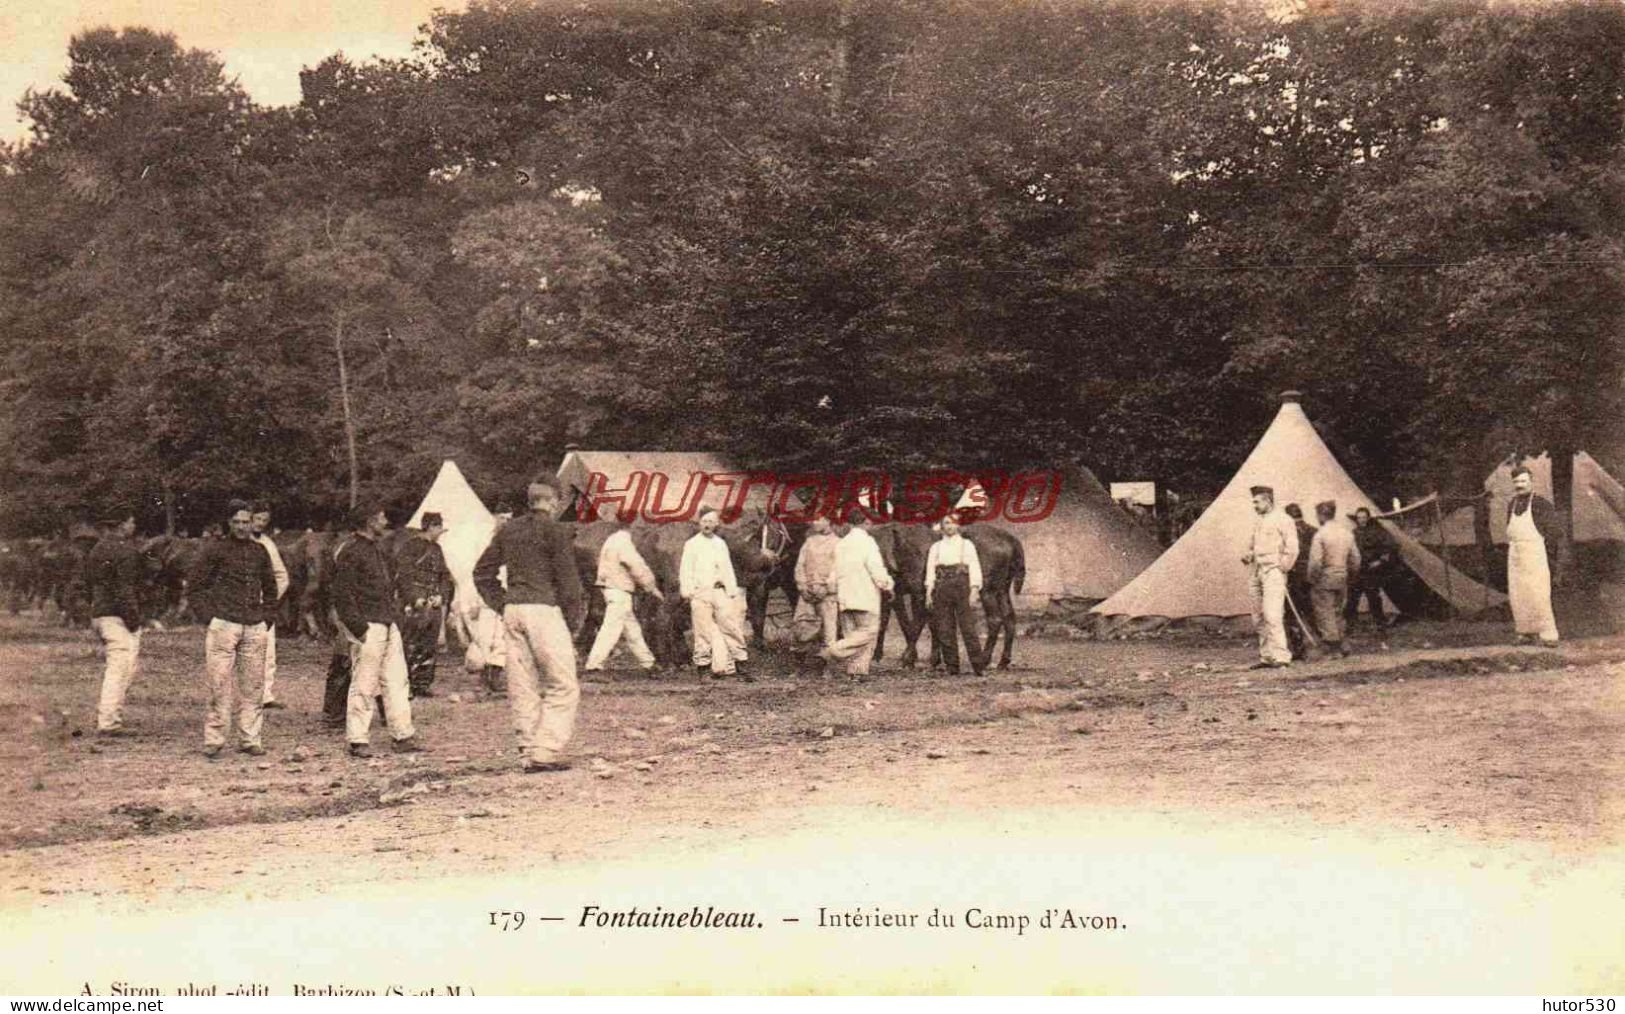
(1086, 549)
(1599, 503)
(468, 525)
(1202, 574)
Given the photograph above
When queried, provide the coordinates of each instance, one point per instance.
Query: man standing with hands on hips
(541, 606)
(1271, 553)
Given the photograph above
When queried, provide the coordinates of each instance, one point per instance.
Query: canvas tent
(678, 467)
(468, 528)
(1202, 573)
(1087, 549)
(1599, 504)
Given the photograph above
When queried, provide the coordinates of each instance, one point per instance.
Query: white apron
(1529, 577)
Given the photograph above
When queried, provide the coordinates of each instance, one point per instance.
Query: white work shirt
(953, 551)
(860, 572)
(621, 566)
(278, 571)
(706, 564)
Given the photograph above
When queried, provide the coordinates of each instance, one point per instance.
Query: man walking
(116, 571)
(953, 584)
(707, 583)
(818, 612)
(621, 572)
(232, 583)
(1271, 552)
(366, 603)
(1333, 557)
(860, 579)
(260, 527)
(425, 584)
(541, 605)
(1535, 551)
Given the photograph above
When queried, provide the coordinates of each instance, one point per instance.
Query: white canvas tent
(1086, 549)
(1599, 503)
(1202, 574)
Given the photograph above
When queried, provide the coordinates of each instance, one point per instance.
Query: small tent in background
(1599, 503)
(677, 467)
(1085, 550)
(468, 531)
(1202, 574)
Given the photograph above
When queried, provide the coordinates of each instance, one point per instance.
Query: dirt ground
(1436, 752)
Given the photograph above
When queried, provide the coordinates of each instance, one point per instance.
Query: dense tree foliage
(830, 233)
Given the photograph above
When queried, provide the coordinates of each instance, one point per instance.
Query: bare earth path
(1412, 819)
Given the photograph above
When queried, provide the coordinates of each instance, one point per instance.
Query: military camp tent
(468, 531)
(1086, 549)
(669, 475)
(1202, 574)
(1599, 503)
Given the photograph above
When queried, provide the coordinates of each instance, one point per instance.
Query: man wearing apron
(1534, 539)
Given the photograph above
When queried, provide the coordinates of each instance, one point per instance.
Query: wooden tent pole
(1444, 547)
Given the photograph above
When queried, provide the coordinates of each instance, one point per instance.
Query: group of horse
(764, 550)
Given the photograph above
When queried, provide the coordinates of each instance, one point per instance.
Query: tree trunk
(1563, 495)
(169, 505)
(344, 400)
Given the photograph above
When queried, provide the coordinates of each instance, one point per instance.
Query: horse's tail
(1018, 565)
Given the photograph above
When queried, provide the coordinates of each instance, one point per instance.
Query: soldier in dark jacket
(425, 585)
(115, 575)
(368, 606)
(1297, 585)
(233, 585)
(1377, 555)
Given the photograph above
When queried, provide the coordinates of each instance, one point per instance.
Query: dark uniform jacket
(1376, 547)
(116, 573)
(540, 556)
(1300, 569)
(420, 571)
(364, 589)
(232, 580)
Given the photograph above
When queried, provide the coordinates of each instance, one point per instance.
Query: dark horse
(1004, 571)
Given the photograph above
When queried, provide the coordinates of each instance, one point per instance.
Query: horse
(764, 551)
(661, 547)
(904, 547)
(1004, 569)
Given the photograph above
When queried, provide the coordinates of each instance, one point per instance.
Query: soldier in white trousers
(622, 571)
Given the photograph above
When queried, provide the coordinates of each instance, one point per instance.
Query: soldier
(232, 583)
(708, 585)
(367, 604)
(116, 572)
(1297, 585)
(860, 579)
(541, 605)
(953, 585)
(260, 527)
(818, 613)
(1377, 551)
(1271, 552)
(425, 583)
(621, 572)
(1333, 557)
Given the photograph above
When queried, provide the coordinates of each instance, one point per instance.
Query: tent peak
(1291, 397)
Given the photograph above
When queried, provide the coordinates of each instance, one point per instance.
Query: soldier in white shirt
(708, 585)
(1334, 557)
(260, 525)
(1271, 552)
(953, 585)
(817, 613)
(621, 572)
(860, 578)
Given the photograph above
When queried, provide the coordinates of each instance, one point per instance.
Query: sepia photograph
(812, 497)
